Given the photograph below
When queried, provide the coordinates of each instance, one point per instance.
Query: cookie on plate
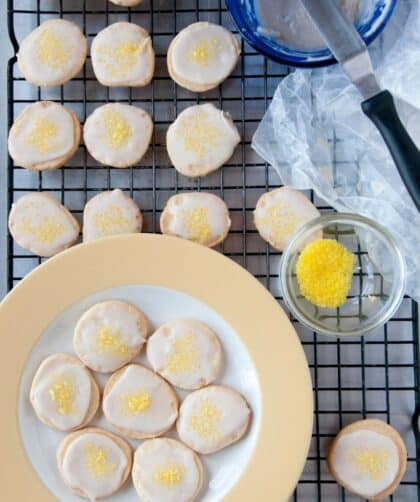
(197, 216)
(40, 224)
(118, 135)
(122, 55)
(64, 393)
(44, 136)
(368, 458)
(139, 403)
(109, 335)
(201, 140)
(111, 213)
(53, 53)
(212, 418)
(185, 352)
(166, 470)
(280, 213)
(94, 463)
(202, 56)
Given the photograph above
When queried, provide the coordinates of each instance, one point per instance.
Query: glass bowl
(378, 282)
(372, 18)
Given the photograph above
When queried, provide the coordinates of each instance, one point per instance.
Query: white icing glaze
(165, 470)
(159, 413)
(109, 335)
(53, 52)
(118, 135)
(201, 140)
(43, 132)
(185, 352)
(212, 418)
(39, 223)
(79, 470)
(110, 213)
(122, 55)
(366, 461)
(204, 54)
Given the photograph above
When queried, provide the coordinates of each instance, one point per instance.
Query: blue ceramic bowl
(372, 18)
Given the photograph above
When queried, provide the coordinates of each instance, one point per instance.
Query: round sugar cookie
(165, 470)
(201, 140)
(280, 213)
(64, 393)
(111, 213)
(94, 463)
(185, 352)
(53, 53)
(197, 216)
(109, 335)
(40, 224)
(202, 56)
(139, 403)
(122, 55)
(118, 135)
(368, 458)
(44, 136)
(212, 418)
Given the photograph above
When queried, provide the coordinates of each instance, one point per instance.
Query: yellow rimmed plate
(171, 276)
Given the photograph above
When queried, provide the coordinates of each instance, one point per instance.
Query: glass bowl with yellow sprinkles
(342, 274)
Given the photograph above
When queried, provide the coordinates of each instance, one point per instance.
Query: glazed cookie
(118, 135)
(139, 403)
(94, 463)
(40, 224)
(109, 335)
(198, 216)
(122, 55)
(185, 352)
(202, 56)
(44, 136)
(280, 213)
(53, 53)
(212, 418)
(64, 394)
(165, 470)
(368, 458)
(111, 213)
(201, 140)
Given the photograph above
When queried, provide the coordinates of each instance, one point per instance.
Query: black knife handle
(382, 112)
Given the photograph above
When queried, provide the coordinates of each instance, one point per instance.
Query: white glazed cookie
(63, 393)
(280, 213)
(40, 224)
(185, 352)
(111, 213)
(212, 418)
(53, 53)
(109, 335)
(118, 135)
(368, 458)
(201, 140)
(122, 55)
(94, 463)
(139, 403)
(165, 470)
(198, 216)
(44, 136)
(202, 56)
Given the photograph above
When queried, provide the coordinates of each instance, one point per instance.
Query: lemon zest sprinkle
(372, 461)
(169, 475)
(135, 403)
(97, 461)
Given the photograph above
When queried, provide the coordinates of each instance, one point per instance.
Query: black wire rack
(373, 376)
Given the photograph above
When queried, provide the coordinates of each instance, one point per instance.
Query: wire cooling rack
(376, 376)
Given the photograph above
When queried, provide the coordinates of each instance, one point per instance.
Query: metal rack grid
(376, 376)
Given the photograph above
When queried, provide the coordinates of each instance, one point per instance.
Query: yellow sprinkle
(51, 50)
(112, 221)
(46, 231)
(206, 420)
(198, 225)
(134, 404)
(280, 221)
(117, 130)
(62, 392)
(97, 461)
(43, 135)
(111, 342)
(183, 357)
(372, 462)
(120, 60)
(202, 52)
(324, 272)
(171, 474)
(198, 133)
